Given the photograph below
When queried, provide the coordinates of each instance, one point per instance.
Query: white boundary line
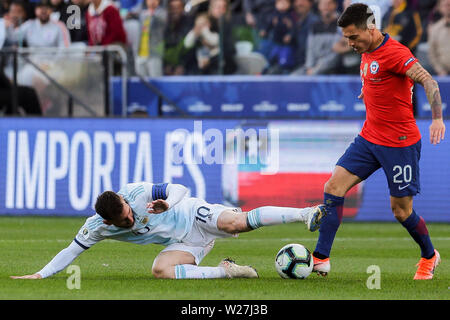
(246, 240)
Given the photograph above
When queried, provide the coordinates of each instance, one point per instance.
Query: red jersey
(105, 25)
(388, 95)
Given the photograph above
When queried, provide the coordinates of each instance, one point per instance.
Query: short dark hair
(43, 3)
(20, 3)
(108, 205)
(358, 14)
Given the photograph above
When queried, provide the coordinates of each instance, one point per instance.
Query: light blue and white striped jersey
(164, 228)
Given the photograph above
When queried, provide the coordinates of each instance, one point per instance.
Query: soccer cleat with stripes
(315, 217)
(321, 266)
(426, 267)
(233, 270)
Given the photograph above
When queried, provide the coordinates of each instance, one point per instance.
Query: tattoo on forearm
(418, 74)
(434, 98)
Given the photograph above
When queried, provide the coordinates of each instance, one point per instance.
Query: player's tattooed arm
(418, 74)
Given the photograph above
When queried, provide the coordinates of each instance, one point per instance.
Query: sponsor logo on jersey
(374, 66)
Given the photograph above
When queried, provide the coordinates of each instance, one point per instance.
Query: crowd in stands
(192, 37)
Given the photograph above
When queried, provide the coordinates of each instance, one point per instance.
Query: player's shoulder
(396, 49)
(393, 43)
(133, 191)
(93, 223)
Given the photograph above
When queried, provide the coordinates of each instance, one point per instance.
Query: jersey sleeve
(87, 236)
(64, 258)
(402, 60)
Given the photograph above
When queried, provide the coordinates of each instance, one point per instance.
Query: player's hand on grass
(157, 206)
(437, 131)
(29, 276)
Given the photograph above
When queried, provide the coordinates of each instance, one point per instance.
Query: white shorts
(200, 240)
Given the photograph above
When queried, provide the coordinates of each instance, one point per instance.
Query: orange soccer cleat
(426, 267)
(321, 266)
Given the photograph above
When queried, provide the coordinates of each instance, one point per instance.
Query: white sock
(269, 216)
(190, 271)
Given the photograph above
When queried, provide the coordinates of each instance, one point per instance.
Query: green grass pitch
(116, 270)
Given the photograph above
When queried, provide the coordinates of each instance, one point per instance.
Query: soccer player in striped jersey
(389, 139)
(145, 213)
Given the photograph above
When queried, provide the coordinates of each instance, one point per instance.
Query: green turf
(115, 270)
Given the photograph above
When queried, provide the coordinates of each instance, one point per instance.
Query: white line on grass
(249, 240)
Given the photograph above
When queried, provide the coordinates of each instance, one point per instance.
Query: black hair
(43, 3)
(108, 205)
(20, 3)
(358, 14)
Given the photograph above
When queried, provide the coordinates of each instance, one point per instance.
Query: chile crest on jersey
(374, 67)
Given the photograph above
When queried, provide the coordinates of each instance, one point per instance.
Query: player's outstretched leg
(269, 215)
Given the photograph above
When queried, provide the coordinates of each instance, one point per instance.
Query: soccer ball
(294, 261)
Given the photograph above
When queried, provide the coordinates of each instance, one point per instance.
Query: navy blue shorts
(400, 164)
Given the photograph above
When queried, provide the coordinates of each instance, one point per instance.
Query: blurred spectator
(104, 24)
(425, 9)
(403, 24)
(439, 41)
(320, 57)
(17, 14)
(280, 32)
(205, 43)
(257, 12)
(349, 60)
(178, 25)
(220, 17)
(151, 40)
(27, 99)
(80, 32)
(39, 32)
(304, 18)
(135, 10)
(433, 16)
(12, 19)
(4, 7)
(59, 11)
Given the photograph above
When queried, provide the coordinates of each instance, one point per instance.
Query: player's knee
(331, 187)
(232, 222)
(400, 213)
(163, 272)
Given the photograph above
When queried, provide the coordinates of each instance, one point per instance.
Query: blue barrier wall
(59, 166)
(288, 97)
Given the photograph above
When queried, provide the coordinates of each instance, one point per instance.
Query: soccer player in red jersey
(389, 138)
